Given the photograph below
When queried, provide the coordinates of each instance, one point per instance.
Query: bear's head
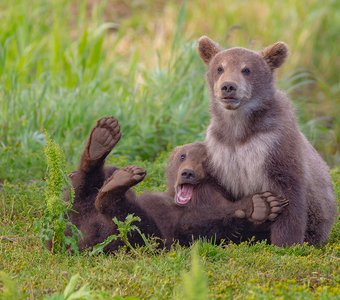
(186, 172)
(239, 77)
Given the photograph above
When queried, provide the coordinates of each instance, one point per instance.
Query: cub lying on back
(254, 143)
(193, 206)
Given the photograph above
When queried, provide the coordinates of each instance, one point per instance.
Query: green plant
(335, 233)
(194, 283)
(9, 289)
(55, 223)
(70, 292)
(125, 228)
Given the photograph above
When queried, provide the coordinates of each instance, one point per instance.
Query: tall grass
(76, 85)
(64, 64)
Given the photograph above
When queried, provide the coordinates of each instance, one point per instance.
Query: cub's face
(237, 76)
(186, 171)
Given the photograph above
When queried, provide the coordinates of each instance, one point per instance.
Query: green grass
(241, 271)
(64, 64)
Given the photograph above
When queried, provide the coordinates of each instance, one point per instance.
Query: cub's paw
(103, 137)
(123, 179)
(267, 206)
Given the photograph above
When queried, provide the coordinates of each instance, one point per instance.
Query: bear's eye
(220, 70)
(182, 157)
(245, 71)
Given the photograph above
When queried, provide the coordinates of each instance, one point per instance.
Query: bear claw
(267, 206)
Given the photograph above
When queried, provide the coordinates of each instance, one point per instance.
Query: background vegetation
(64, 64)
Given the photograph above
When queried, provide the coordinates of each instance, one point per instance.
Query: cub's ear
(275, 55)
(207, 49)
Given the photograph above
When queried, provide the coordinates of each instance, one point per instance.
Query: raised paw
(103, 137)
(267, 206)
(123, 179)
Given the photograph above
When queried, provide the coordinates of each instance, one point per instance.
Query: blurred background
(64, 64)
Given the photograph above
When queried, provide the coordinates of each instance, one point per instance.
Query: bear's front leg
(290, 226)
(113, 197)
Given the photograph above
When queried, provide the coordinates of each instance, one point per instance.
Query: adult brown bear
(193, 205)
(254, 143)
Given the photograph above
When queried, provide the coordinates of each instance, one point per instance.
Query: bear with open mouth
(193, 205)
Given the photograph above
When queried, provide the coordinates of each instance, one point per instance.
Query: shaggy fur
(254, 143)
(193, 206)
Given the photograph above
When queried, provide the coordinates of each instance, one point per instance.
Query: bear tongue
(184, 193)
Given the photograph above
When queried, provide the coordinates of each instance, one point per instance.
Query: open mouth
(184, 193)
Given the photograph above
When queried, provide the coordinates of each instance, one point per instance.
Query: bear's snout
(228, 89)
(188, 174)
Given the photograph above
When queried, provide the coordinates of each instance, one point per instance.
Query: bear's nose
(188, 174)
(228, 87)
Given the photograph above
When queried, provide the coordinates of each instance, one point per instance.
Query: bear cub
(254, 143)
(193, 205)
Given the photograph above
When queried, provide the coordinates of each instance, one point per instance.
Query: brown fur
(103, 193)
(209, 214)
(254, 142)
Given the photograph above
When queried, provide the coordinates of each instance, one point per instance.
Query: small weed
(9, 289)
(125, 228)
(71, 293)
(55, 222)
(194, 283)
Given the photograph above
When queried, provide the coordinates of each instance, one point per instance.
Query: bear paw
(267, 206)
(123, 179)
(104, 136)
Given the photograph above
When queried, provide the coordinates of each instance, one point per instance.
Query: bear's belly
(241, 169)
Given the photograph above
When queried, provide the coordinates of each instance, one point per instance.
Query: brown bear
(254, 143)
(193, 205)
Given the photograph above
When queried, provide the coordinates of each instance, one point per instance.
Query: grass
(64, 64)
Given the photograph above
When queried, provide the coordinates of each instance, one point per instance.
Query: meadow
(64, 64)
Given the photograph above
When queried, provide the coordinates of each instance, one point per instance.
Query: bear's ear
(275, 55)
(207, 49)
